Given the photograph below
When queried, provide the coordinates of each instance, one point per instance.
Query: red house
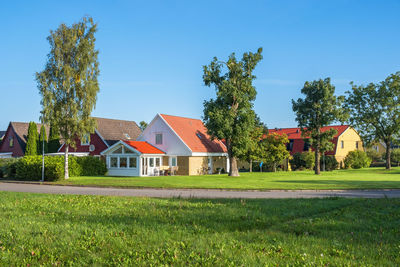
(14, 140)
(107, 133)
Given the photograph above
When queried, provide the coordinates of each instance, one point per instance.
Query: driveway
(195, 193)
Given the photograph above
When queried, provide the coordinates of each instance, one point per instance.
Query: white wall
(171, 145)
(123, 172)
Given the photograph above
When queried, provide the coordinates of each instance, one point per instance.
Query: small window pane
(173, 162)
(157, 162)
(158, 139)
(118, 151)
(85, 140)
(11, 141)
(342, 144)
(132, 162)
(113, 162)
(123, 162)
(128, 151)
(151, 162)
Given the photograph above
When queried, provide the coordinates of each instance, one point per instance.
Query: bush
(374, 155)
(357, 159)
(395, 156)
(330, 163)
(30, 167)
(301, 161)
(8, 167)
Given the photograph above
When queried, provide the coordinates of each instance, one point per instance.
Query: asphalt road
(196, 193)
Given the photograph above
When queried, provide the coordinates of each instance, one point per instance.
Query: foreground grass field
(95, 230)
(369, 178)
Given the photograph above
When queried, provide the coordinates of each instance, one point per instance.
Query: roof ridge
(112, 119)
(180, 117)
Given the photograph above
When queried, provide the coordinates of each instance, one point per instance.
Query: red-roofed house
(133, 158)
(186, 144)
(346, 140)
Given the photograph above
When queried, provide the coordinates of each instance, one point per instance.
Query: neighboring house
(15, 138)
(1, 136)
(107, 133)
(346, 140)
(186, 148)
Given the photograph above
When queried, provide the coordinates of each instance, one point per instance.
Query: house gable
(172, 144)
(16, 149)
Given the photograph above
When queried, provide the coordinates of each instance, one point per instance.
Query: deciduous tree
(375, 111)
(319, 107)
(143, 125)
(68, 84)
(275, 150)
(54, 140)
(230, 116)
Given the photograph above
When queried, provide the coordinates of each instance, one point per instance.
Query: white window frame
(86, 139)
(170, 161)
(122, 155)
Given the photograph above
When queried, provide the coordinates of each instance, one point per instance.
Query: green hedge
(30, 167)
(356, 160)
(8, 167)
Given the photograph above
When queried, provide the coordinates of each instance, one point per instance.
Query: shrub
(305, 160)
(357, 159)
(8, 167)
(30, 167)
(395, 156)
(330, 163)
(374, 155)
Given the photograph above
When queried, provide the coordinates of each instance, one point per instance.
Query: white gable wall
(172, 144)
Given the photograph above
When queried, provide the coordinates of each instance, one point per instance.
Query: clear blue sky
(152, 52)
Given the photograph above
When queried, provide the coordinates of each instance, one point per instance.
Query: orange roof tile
(295, 133)
(194, 134)
(144, 147)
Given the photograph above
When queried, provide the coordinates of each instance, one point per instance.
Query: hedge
(30, 167)
(356, 160)
(8, 167)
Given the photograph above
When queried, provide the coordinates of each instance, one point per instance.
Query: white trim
(4, 155)
(76, 154)
(101, 137)
(120, 142)
(209, 154)
(60, 147)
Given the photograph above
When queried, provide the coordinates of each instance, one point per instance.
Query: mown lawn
(77, 230)
(369, 178)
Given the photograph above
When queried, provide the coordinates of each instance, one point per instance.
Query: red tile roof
(295, 133)
(144, 147)
(194, 134)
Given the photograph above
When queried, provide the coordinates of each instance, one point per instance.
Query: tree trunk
(388, 165)
(66, 173)
(233, 169)
(317, 161)
(251, 165)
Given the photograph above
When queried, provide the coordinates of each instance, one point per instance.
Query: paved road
(195, 193)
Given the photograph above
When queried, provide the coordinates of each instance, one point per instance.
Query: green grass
(369, 178)
(38, 229)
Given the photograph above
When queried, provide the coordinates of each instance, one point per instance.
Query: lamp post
(43, 151)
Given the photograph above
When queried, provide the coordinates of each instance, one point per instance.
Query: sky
(152, 53)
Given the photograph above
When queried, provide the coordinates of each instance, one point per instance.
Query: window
(289, 145)
(306, 145)
(158, 139)
(342, 144)
(85, 141)
(198, 135)
(132, 162)
(357, 144)
(11, 141)
(158, 162)
(123, 162)
(113, 162)
(151, 162)
(118, 151)
(173, 161)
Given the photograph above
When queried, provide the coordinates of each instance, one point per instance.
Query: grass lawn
(368, 178)
(38, 229)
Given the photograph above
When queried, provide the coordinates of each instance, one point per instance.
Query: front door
(151, 166)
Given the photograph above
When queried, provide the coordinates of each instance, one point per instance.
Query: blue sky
(152, 52)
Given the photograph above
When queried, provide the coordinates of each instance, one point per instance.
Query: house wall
(349, 137)
(94, 140)
(183, 165)
(198, 165)
(16, 149)
(172, 145)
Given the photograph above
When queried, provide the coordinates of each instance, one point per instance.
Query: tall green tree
(319, 107)
(230, 116)
(68, 84)
(54, 140)
(375, 111)
(42, 137)
(32, 140)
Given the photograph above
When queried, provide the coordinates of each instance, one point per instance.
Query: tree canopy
(319, 107)
(68, 84)
(54, 140)
(142, 125)
(375, 111)
(230, 116)
(275, 150)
